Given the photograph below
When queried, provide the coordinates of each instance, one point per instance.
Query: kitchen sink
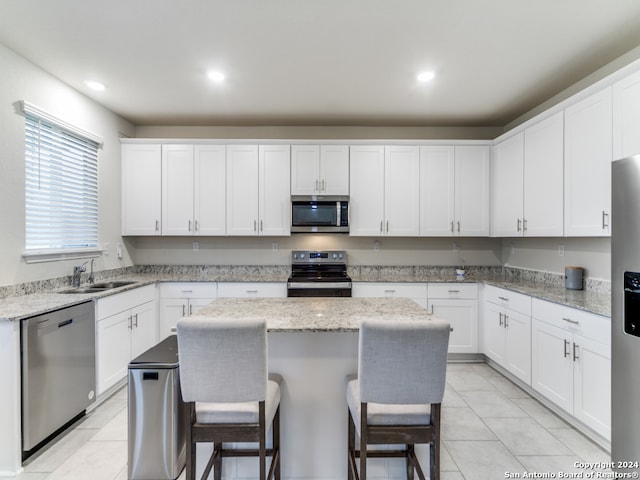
(97, 287)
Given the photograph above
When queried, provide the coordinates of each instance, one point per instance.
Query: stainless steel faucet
(77, 272)
(91, 278)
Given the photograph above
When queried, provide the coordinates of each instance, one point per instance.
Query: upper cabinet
(626, 116)
(258, 183)
(587, 166)
(528, 181)
(193, 190)
(141, 189)
(384, 186)
(454, 191)
(319, 170)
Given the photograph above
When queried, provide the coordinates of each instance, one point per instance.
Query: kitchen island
(313, 344)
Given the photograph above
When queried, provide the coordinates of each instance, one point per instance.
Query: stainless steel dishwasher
(58, 371)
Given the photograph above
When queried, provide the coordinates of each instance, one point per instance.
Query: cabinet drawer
(188, 290)
(508, 299)
(107, 306)
(452, 290)
(394, 290)
(573, 320)
(252, 289)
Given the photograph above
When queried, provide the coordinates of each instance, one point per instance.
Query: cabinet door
(242, 189)
(626, 117)
(518, 345)
(543, 178)
(144, 330)
(402, 191)
(494, 333)
(334, 169)
(472, 191)
(507, 187)
(587, 166)
(437, 191)
(210, 191)
(275, 181)
(462, 315)
(551, 363)
(177, 190)
(305, 170)
(366, 186)
(171, 310)
(141, 189)
(592, 384)
(113, 350)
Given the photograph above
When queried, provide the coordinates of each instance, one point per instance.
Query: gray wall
(21, 80)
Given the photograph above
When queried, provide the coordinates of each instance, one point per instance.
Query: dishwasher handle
(65, 323)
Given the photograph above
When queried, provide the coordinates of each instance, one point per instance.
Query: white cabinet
(179, 300)
(472, 165)
(587, 174)
(252, 289)
(626, 116)
(258, 184)
(571, 362)
(126, 326)
(141, 189)
(456, 303)
(319, 170)
(384, 186)
(454, 190)
(415, 291)
(528, 181)
(506, 329)
(177, 190)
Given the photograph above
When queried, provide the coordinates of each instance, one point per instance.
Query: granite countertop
(23, 302)
(314, 314)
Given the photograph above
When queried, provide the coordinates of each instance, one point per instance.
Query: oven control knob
(301, 256)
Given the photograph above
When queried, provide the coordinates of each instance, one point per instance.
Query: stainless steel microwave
(321, 214)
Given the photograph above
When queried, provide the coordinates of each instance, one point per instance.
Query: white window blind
(61, 186)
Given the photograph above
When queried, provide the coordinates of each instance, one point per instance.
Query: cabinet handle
(458, 226)
(130, 322)
(605, 220)
(500, 319)
(381, 229)
(518, 224)
(453, 291)
(575, 349)
(252, 292)
(324, 186)
(566, 343)
(524, 225)
(506, 321)
(136, 324)
(451, 226)
(317, 183)
(157, 225)
(431, 313)
(575, 322)
(387, 226)
(189, 225)
(261, 229)
(255, 225)
(184, 310)
(190, 310)
(389, 291)
(196, 226)
(186, 291)
(504, 299)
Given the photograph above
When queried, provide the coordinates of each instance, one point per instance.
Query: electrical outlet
(274, 246)
(119, 250)
(105, 250)
(456, 247)
(561, 250)
(196, 246)
(376, 246)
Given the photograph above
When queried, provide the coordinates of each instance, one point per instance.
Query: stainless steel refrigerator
(625, 315)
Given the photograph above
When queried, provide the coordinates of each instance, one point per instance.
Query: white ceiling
(321, 62)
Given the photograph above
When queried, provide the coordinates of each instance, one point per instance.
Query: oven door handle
(300, 285)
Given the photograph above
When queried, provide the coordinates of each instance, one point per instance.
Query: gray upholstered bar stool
(223, 377)
(397, 395)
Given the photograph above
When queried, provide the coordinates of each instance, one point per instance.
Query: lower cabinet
(507, 330)
(415, 291)
(571, 362)
(126, 326)
(457, 303)
(182, 299)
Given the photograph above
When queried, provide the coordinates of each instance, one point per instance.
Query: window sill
(58, 255)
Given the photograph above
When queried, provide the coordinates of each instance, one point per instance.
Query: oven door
(319, 289)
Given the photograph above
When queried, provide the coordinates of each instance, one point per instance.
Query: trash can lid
(162, 355)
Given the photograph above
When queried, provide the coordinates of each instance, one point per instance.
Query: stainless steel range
(319, 274)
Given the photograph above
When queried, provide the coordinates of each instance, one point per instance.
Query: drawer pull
(504, 299)
(453, 291)
(186, 291)
(575, 322)
(389, 291)
(252, 291)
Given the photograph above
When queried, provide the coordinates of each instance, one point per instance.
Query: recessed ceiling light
(216, 76)
(93, 85)
(426, 76)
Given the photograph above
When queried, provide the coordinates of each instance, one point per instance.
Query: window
(61, 191)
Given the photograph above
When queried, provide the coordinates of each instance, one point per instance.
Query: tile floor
(490, 428)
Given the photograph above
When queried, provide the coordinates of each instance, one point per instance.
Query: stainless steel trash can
(156, 414)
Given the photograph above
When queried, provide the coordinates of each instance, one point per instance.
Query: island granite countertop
(315, 314)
